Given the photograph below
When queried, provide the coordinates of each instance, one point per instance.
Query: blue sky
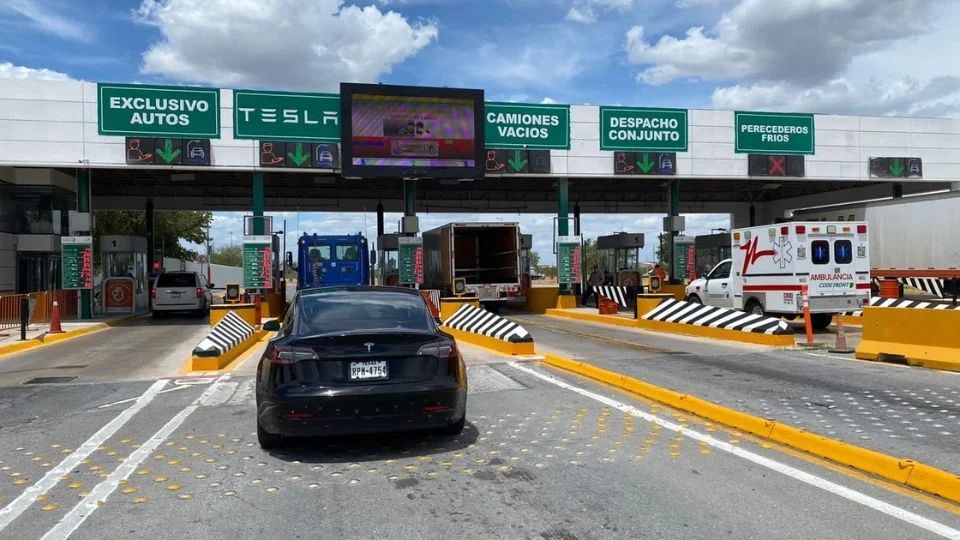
(834, 56)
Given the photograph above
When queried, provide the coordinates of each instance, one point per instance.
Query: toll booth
(710, 249)
(526, 269)
(388, 260)
(619, 256)
(124, 287)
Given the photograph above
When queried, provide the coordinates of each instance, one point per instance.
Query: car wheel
(694, 299)
(267, 440)
(455, 428)
(754, 308)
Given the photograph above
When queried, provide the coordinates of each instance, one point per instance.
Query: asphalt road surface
(545, 454)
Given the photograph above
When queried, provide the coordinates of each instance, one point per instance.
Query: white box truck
(475, 259)
(771, 265)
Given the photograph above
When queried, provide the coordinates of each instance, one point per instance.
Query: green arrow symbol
(300, 157)
(518, 163)
(646, 164)
(896, 168)
(167, 153)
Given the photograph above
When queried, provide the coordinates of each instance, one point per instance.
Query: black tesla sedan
(355, 360)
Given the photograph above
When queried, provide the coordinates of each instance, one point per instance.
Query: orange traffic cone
(841, 345)
(55, 327)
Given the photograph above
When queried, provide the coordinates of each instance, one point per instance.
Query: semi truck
(772, 265)
(331, 260)
(909, 232)
(475, 259)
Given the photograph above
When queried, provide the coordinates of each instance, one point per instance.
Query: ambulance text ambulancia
(773, 265)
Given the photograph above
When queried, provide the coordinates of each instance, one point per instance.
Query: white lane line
(73, 519)
(811, 479)
(122, 401)
(27, 498)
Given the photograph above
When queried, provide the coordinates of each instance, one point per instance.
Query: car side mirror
(272, 325)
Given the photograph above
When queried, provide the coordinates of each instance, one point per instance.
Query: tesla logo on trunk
(369, 346)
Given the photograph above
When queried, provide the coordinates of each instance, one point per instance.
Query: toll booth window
(843, 251)
(347, 253)
(821, 251)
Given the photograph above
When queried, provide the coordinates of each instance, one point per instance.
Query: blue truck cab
(329, 260)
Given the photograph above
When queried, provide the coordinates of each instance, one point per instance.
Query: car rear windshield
(177, 280)
(350, 311)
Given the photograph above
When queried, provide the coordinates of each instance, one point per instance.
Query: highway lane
(902, 411)
(546, 454)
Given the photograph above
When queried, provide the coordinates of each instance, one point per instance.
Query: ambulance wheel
(754, 308)
(694, 299)
(821, 320)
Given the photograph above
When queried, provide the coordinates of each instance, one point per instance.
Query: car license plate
(365, 371)
(174, 294)
(489, 293)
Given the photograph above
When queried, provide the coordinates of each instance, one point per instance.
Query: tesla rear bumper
(362, 409)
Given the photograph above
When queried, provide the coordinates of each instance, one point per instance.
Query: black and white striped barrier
(681, 312)
(231, 331)
(480, 321)
(434, 297)
(932, 286)
(911, 304)
(611, 292)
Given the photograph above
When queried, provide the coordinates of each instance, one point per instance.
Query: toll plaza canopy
(198, 148)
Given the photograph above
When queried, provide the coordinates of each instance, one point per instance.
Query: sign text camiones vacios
(514, 125)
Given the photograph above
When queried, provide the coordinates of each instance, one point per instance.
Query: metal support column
(83, 205)
(409, 197)
(563, 213)
(753, 215)
(258, 203)
(576, 219)
(379, 222)
(897, 191)
(674, 199)
(151, 239)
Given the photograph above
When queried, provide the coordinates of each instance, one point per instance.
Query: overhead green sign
(286, 116)
(514, 125)
(569, 258)
(257, 263)
(165, 111)
(643, 129)
(410, 255)
(76, 262)
(774, 133)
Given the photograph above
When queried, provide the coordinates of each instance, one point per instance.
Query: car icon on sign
(914, 168)
(196, 152)
(325, 159)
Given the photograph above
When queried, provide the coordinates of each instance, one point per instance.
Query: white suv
(181, 291)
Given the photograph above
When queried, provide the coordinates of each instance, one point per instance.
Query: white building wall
(54, 123)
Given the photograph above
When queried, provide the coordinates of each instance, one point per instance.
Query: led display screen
(411, 132)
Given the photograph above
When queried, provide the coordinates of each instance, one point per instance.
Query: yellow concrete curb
(787, 340)
(48, 339)
(900, 470)
(217, 363)
(494, 344)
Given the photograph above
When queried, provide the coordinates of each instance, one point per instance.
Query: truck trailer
(475, 259)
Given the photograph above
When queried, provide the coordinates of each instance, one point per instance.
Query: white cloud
(10, 71)
(548, 101)
(939, 96)
(46, 19)
(801, 41)
(281, 44)
(587, 11)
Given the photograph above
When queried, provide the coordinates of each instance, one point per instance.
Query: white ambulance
(773, 264)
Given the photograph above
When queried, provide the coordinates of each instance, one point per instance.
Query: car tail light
(862, 229)
(153, 293)
(449, 351)
(288, 356)
(801, 229)
(199, 292)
